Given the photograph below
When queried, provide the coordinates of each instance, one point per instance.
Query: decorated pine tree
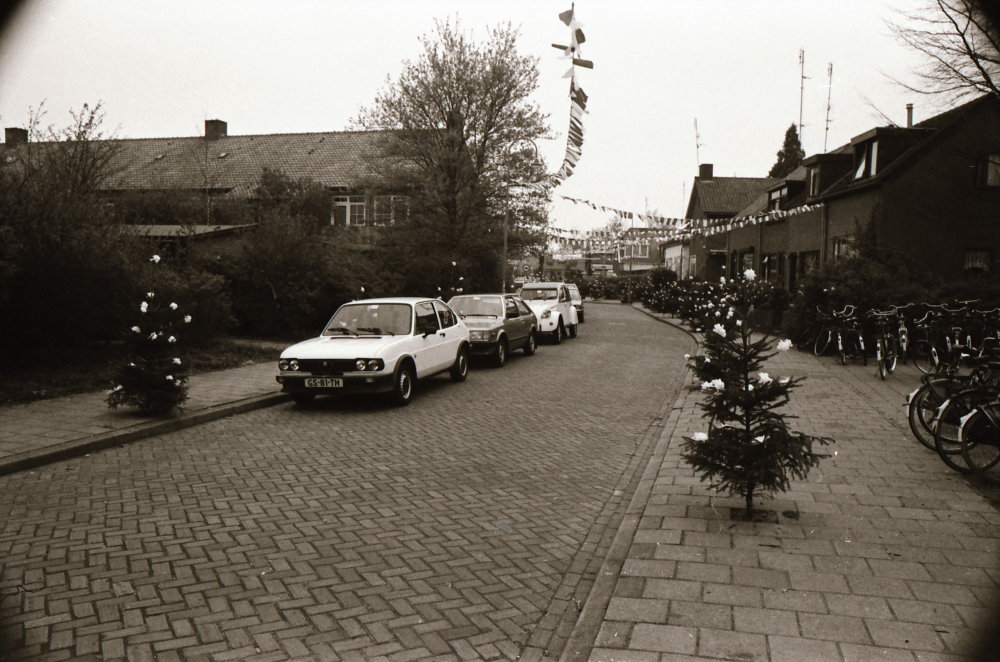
(154, 379)
(748, 448)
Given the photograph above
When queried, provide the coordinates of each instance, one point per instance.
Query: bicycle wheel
(924, 405)
(947, 439)
(860, 344)
(981, 443)
(880, 357)
(925, 357)
(822, 342)
(892, 354)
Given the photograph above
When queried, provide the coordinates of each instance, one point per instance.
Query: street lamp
(506, 212)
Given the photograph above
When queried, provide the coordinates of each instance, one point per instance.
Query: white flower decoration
(177, 382)
(155, 259)
(739, 322)
(153, 336)
(187, 318)
(784, 380)
(362, 290)
(143, 307)
(749, 387)
(136, 329)
(784, 345)
(171, 339)
(716, 384)
(722, 280)
(699, 436)
(710, 304)
(729, 314)
(687, 356)
(177, 361)
(718, 328)
(150, 295)
(758, 440)
(749, 274)
(764, 378)
(170, 378)
(173, 306)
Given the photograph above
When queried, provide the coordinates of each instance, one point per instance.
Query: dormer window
(989, 171)
(813, 182)
(777, 198)
(867, 154)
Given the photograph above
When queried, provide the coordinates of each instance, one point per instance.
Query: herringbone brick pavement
(466, 526)
(884, 553)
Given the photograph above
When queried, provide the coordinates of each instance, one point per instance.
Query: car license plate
(324, 383)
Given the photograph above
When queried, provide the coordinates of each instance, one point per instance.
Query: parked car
(553, 307)
(498, 323)
(577, 299)
(377, 346)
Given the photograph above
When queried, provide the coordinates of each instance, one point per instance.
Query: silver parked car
(497, 323)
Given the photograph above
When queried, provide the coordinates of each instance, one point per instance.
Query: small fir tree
(749, 448)
(155, 380)
(789, 156)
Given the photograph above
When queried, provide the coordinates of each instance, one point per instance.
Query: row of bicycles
(937, 338)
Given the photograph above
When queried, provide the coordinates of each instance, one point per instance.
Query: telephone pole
(829, 91)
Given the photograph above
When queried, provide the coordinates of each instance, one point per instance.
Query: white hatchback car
(553, 306)
(377, 346)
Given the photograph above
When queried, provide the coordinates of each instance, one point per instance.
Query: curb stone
(84, 445)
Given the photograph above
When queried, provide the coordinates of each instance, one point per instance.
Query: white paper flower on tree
(764, 378)
(699, 436)
(784, 345)
(716, 384)
(143, 307)
(136, 329)
(187, 319)
(758, 440)
(718, 328)
(749, 274)
(155, 259)
(171, 339)
(173, 306)
(177, 361)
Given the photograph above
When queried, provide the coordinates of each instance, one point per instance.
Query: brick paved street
(469, 525)
(884, 553)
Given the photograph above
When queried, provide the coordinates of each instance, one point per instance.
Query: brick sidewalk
(45, 426)
(884, 553)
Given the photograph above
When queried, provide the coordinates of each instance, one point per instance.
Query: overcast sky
(162, 68)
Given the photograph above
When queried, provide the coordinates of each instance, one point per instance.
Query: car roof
(404, 300)
(543, 284)
(486, 294)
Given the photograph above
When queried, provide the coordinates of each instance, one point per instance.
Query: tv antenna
(697, 142)
(829, 91)
(802, 87)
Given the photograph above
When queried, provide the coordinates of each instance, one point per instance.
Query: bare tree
(960, 40)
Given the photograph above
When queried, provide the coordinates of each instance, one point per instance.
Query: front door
(427, 339)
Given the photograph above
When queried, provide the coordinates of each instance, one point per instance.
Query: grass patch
(57, 373)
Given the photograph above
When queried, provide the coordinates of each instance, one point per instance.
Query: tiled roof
(728, 195)
(235, 163)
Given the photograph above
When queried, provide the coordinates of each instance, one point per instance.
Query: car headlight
(375, 364)
(360, 364)
(546, 314)
(288, 364)
(478, 335)
(283, 364)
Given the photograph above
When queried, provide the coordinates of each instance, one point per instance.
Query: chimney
(15, 136)
(909, 115)
(215, 129)
(705, 171)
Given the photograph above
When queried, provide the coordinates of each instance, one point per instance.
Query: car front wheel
(572, 331)
(460, 370)
(500, 355)
(557, 335)
(402, 388)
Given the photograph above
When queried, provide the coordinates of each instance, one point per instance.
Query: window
(772, 266)
(808, 261)
(746, 260)
(510, 307)
(989, 170)
(776, 199)
(445, 315)
(426, 319)
(387, 209)
(522, 308)
(978, 259)
(633, 250)
(867, 155)
(843, 247)
(348, 210)
(813, 181)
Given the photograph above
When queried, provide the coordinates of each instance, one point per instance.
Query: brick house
(931, 190)
(218, 165)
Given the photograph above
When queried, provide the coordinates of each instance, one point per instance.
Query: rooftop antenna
(829, 91)
(697, 142)
(802, 87)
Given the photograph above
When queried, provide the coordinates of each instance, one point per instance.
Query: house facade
(930, 190)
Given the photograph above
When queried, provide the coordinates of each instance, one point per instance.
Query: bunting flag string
(660, 227)
(578, 100)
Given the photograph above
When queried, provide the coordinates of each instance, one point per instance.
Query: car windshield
(536, 293)
(370, 319)
(473, 306)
